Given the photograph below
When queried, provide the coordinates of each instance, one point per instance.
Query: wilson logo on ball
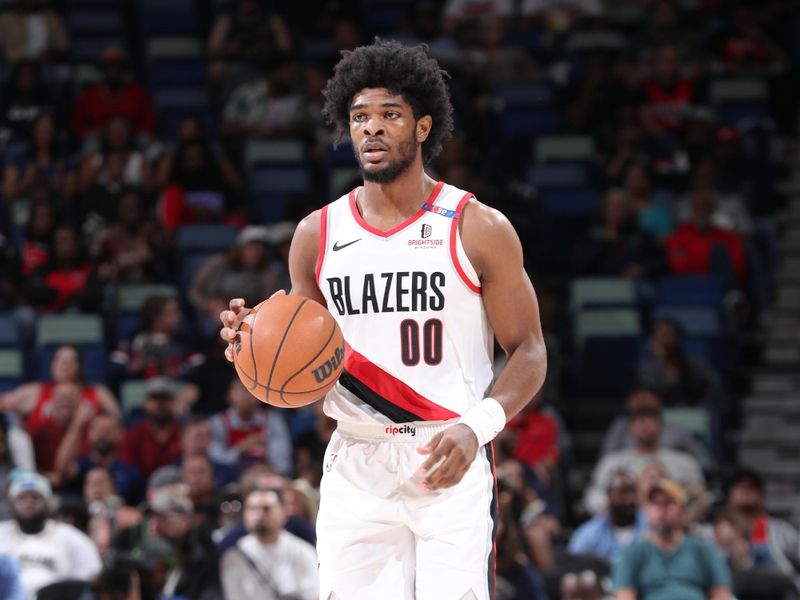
(326, 369)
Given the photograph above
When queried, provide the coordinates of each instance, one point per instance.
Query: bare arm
(218, 36)
(625, 594)
(22, 400)
(494, 250)
(108, 403)
(66, 466)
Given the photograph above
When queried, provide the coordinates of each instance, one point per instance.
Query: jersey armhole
(323, 242)
(458, 255)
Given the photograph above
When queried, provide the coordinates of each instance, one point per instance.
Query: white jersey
(418, 342)
(58, 552)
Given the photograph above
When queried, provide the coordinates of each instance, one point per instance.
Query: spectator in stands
(642, 399)
(645, 428)
(679, 379)
(156, 441)
(31, 30)
(269, 557)
(32, 401)
(653, 216)
(48, 434)
(775, 537)
(730, 210)
(108, 512)
(242, 271)
(131, 243)
(115, 96)
(47, 550)
(198, 474)
(249, 432)
(732, 534)
(500, 63)
(116, 163)
(262, 476)
(744, 46)
(193, 567)
(69, 280)
(191, 130)
(244, 39)
(608, 534)
(195, 442)
(197, 190)
(691, 248)
(667, 95)
(693, 566)
(10, 581)
(158, 349)
(269, 107)
(43, 162)
(36, 247)
(103, 435)
(617, 248)
(24, 100)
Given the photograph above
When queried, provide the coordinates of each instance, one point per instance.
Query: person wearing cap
(156, 441)
(114, 96)
(668, 563)
(269, 563)
(242, 269)
(48, 551)
(645, 427)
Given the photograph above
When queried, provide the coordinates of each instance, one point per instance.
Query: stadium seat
(182, 99)
(691, 418)
(559, 176)
(690, 290)
(173, 47)
(205, 238)
(9, 332)
(597, 292)
(341, 180)
(525, 94)
(131, 396)
(280, 180)
(12, 369)
(609, 323)
(524, 122)
(594, 41)
(566, 148)
(318, 48)
(341, 156)
(698, 321)
(607, 364)
(177, 72)
(85, 74)
(569, 202)
(69, 329)
(740, 90)
(95, 21)
(276, 152)
(131, 297)
(89, 48)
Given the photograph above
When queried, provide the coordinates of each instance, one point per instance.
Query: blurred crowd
(156, 158)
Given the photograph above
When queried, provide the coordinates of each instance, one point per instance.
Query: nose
(372, 128)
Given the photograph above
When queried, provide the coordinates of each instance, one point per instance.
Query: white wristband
(487, 419)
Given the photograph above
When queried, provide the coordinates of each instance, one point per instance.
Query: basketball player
(419, 275)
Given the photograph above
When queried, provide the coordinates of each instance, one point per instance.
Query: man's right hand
(232, 319)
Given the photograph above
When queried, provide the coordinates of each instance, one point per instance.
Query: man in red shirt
(689, 247)
(156, 441)
(114, 96)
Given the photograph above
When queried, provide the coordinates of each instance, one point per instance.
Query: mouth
(374, 152)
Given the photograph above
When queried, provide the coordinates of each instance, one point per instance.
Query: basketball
(289, 352)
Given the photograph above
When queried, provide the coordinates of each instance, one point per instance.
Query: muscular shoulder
(487, 236)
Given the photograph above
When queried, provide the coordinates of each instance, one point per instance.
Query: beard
(104, 447)
(664, 530)
(32, 525)
(622, 516)
(390, 172)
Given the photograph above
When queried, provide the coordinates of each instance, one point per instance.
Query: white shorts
(381, 537)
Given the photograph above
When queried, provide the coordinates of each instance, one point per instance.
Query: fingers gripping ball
(289, 351)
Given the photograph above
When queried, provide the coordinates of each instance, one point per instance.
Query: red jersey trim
(385, 234)
(323, 242)
(392, 389)
(453, 240)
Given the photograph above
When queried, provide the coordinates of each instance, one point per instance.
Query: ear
(423, 128)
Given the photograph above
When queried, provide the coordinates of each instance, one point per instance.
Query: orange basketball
(290, 351)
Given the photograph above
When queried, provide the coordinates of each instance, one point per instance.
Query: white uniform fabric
(380, 536)
(58, 553)
(409, 305)
(418, 355)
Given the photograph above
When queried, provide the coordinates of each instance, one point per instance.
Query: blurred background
(157, 155)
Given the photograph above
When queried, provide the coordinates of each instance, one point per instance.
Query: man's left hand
(455, 447)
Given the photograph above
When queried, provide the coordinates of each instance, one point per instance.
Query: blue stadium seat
(608, 364)
(318, 48)
(177, 72)
(569, 202)
(525, 94)
(280, 180)
(698, 321)
(9, 332)
(12, 369)
(517, 122)
(182, 99)
(96, 21)
(559, 176)
(205, 238)
(271, 208)
(95, 361)
(690, 290)
(341, 156)
(89, 49)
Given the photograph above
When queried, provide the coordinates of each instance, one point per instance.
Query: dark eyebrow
(384, 105)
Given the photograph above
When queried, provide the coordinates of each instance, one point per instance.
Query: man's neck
(667, 542)
(268, 539)
(401, 197)
(646, 448)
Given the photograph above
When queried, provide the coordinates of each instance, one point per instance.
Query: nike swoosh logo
(337, 246)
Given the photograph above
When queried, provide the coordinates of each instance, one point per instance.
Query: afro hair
(409, 72)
